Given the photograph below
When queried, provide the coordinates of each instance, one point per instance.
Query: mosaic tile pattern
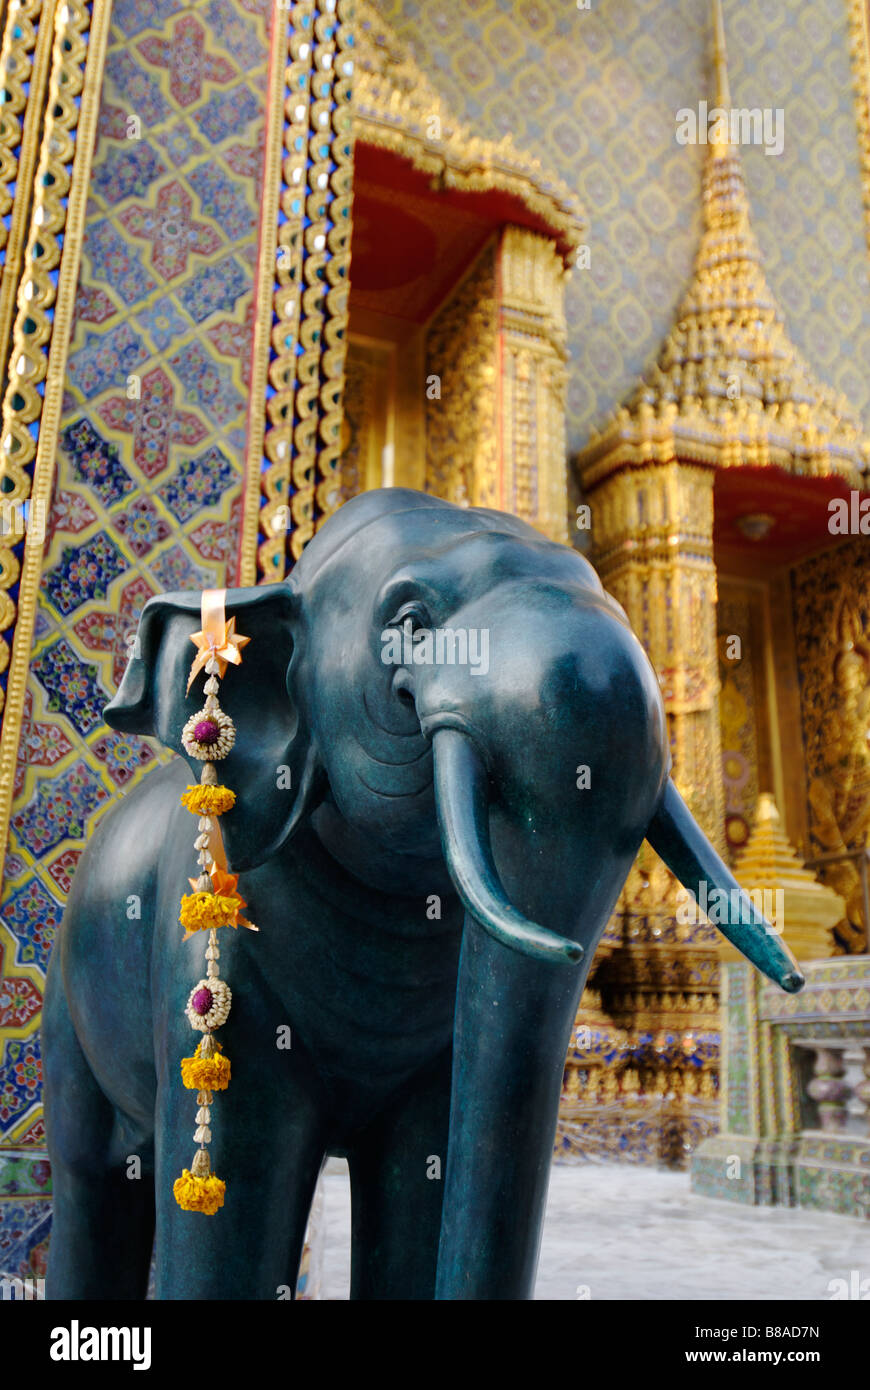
(740, 1098)
(24, 1228)
(594, 94)
(149, 475)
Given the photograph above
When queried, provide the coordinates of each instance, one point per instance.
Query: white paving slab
(640, 1233)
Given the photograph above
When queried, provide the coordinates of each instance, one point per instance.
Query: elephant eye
(414, 613)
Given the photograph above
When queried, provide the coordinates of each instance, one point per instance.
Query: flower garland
(215, 902)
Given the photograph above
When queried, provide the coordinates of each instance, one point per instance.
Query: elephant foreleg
(513, 1023)
(397, 1170)
(103, 1208)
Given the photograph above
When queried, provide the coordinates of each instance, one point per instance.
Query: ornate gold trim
(462, 423)
(329, 494)
(23, 58)
(859, 52)
(532, 381)
(397, 108)
(294, 436)
(64, 168)
(264, 295)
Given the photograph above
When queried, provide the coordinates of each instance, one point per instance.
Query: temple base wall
(795, 1093)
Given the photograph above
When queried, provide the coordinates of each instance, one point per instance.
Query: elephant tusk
(463, 817)
(676, 836)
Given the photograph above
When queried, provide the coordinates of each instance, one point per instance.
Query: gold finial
(720, 60)
(766, 811)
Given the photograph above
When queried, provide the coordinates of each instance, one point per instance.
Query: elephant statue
(430, 877)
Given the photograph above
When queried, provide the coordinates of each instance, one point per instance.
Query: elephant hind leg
(103, 1208)
(397, 1168)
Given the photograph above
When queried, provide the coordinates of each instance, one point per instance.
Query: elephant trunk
(461, 795)
(514, 1011)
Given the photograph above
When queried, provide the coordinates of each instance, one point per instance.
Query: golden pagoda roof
(729, 387)
(396, 107)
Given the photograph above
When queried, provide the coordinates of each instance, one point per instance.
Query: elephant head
(458, 702)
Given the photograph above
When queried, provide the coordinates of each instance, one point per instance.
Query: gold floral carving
(294, 435)
(859, 50)
(357, 425)
(41, 337)
(532, 381)
(495, 433)
(397, 108)
(832, 636)
(461, 356)
(653, 531)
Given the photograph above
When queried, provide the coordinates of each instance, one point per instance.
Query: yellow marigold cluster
(201, 911)
(205, 1073)
(208, 801)
(199, 1194)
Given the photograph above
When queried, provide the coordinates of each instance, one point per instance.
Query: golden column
(495, 429)
(532, 476)
(653, 528)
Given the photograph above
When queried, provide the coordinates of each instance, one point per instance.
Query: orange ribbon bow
(218, 638)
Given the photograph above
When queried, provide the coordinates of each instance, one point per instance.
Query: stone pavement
(639, 1233)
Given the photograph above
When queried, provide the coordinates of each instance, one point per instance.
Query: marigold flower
(202, 911)
(199, 1194)
(200, 1073)
(208, 801)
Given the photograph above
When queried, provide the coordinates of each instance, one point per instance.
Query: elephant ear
(273, 767)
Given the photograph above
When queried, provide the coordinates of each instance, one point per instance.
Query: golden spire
(720, 58)
(729, 383)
